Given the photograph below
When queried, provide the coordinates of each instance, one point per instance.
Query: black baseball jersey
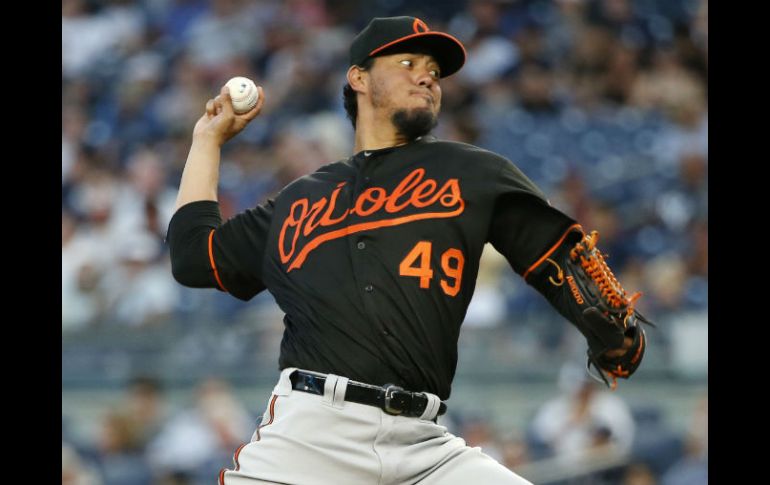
(374, 258)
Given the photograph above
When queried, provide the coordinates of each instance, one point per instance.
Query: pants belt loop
(339, 392)
(329, 385)
(334, 390)
(431, 409)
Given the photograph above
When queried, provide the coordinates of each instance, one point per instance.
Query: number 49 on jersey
(417, 264)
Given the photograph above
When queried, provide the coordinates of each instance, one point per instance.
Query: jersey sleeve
(525, 228)
(238, 249)
(207, 253)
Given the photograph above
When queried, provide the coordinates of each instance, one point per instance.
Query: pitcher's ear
(358, 79)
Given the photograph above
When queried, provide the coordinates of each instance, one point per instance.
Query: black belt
(391, 399)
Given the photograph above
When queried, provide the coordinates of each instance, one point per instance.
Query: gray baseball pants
(306, 439)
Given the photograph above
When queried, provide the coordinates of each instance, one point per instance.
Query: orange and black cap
(387, 35)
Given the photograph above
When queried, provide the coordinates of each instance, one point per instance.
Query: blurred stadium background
(603, 103)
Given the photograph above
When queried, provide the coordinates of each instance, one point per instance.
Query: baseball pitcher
(374, 260)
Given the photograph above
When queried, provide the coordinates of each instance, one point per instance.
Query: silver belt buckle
(389, 390)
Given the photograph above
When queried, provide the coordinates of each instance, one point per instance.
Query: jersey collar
(368, 154)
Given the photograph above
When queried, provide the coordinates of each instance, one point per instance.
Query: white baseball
(244, 94)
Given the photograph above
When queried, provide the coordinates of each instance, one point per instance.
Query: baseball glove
(603, 312)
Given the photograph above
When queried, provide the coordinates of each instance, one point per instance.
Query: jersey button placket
(360, 257)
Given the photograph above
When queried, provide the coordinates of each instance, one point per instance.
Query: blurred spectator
(82, 303)
(666, 277)
(535, 88)
(131, 116)
(478, 432)
(699, 30)
(692, 469)
(88, 244)
(573, 197)
(121, 459)
(74, 121)
(146, 407)
(144, 204)
(697, 262)
(620, 18)
(221, 35)
(622, 70)
(604, 218)
(174, 18)
(295, 155)
(139, 292)
(583, 418)
(200, 440)
(74, 471)
(514, 452)
(531, 42)
(91, 30)
(639, 474)
(488, 306)
(587, 65)
(668, 86)
(178, 104)
(488, 58)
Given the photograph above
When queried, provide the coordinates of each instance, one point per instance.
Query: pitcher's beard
(414, 123)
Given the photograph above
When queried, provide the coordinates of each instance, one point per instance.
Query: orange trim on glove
(636, 356)
(553, 248)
